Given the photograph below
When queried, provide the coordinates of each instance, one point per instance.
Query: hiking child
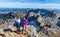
(17, 23)
(25, 22)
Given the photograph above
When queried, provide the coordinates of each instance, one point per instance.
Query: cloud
(29, 5)
(35, 1)
(9, 0)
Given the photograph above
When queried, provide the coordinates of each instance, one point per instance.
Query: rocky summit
(42, 23)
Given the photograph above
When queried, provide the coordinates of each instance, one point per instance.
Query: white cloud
(29, 5)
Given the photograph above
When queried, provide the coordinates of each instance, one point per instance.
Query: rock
(31, 14)
(12, 28)
(1, 31)
(31, 31)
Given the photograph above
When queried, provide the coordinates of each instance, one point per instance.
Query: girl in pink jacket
(25, 22)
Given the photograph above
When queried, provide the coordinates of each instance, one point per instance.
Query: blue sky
(35, 1)
(30, 4)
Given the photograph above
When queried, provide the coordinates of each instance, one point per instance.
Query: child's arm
(27, 16)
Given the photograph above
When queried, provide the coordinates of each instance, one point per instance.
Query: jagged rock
(1, 31)
(31, 14)
(31, 31)
(53, 31)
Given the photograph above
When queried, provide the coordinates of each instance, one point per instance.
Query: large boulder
(32, 31)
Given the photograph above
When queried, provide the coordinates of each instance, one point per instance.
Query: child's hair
(18, 16)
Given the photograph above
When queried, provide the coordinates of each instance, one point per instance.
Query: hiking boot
(17, 32)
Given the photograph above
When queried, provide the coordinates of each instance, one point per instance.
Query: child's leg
(18, 29)
(24, 27)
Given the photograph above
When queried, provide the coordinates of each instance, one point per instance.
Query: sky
(30, 4)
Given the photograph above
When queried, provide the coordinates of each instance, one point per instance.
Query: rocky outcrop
(47, 26)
